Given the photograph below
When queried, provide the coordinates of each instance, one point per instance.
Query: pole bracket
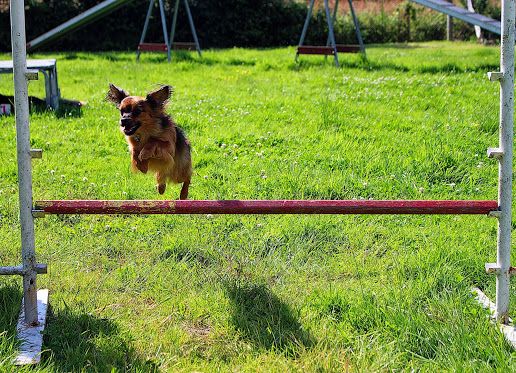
(494, 214)
(36, 153)
(38, 213)
(31, 74)
(494, 268)
(496, 153)
(495, 76)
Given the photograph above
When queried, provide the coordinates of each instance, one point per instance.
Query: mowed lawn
(267, 293)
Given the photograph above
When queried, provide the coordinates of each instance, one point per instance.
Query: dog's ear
(116, 95)
(160, 96)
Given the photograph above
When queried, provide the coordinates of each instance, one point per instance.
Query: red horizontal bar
(153, 47)
(266, 207)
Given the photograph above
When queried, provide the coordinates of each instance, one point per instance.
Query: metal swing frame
(331, 48)
(169, 43)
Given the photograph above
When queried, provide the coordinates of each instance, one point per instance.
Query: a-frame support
(331, 48)
(168, 44)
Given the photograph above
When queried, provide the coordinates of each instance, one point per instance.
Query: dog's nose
(124, 122)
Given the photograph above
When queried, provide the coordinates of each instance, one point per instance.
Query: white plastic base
(509, 331)
(31, 337)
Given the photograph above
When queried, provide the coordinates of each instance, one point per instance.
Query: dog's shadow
(265, 320)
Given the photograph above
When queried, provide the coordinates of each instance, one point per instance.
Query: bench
(49, 70)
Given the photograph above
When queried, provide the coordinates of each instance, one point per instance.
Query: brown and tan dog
(154, 140)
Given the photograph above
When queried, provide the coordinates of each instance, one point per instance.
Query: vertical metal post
(21, 103)
(307, 21)
(174, 23)
(164, 26)
(145, 26)
(331, 35)
(357, 27)
(333, 19)
(192, 27)
(449, 28)
(505, 166)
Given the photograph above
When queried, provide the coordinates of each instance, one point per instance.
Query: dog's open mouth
(131, 130)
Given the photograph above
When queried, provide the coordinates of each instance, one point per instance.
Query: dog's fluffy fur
(154, 140)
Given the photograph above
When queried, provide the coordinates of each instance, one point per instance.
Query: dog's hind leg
(184, 190)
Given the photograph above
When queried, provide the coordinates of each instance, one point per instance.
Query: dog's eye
(137, 111)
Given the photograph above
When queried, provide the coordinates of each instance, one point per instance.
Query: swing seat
(152, 47)
(327, 50)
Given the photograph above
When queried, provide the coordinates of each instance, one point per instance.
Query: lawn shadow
(265, 320)
(67, 108)
(77, 341)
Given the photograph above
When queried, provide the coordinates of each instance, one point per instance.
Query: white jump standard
(32, 317)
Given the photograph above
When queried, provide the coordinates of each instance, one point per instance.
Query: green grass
(268, 293)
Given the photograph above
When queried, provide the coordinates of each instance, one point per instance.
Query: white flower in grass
(205, 177)
(209, 216)
(235, 158)
(52, 171)
(63, 176)
(85, 179)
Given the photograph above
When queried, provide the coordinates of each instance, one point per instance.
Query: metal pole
(357, 27)
(21, 103)
(192, 27)
(449, 28)
(307, 21)
(164, 25)
(145, 26)
(334, 18)
(330, 33)
(174, 23)
(505, 166)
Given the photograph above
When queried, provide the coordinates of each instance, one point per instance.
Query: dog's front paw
(143, 166)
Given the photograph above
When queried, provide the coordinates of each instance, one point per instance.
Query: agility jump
(32, 317)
